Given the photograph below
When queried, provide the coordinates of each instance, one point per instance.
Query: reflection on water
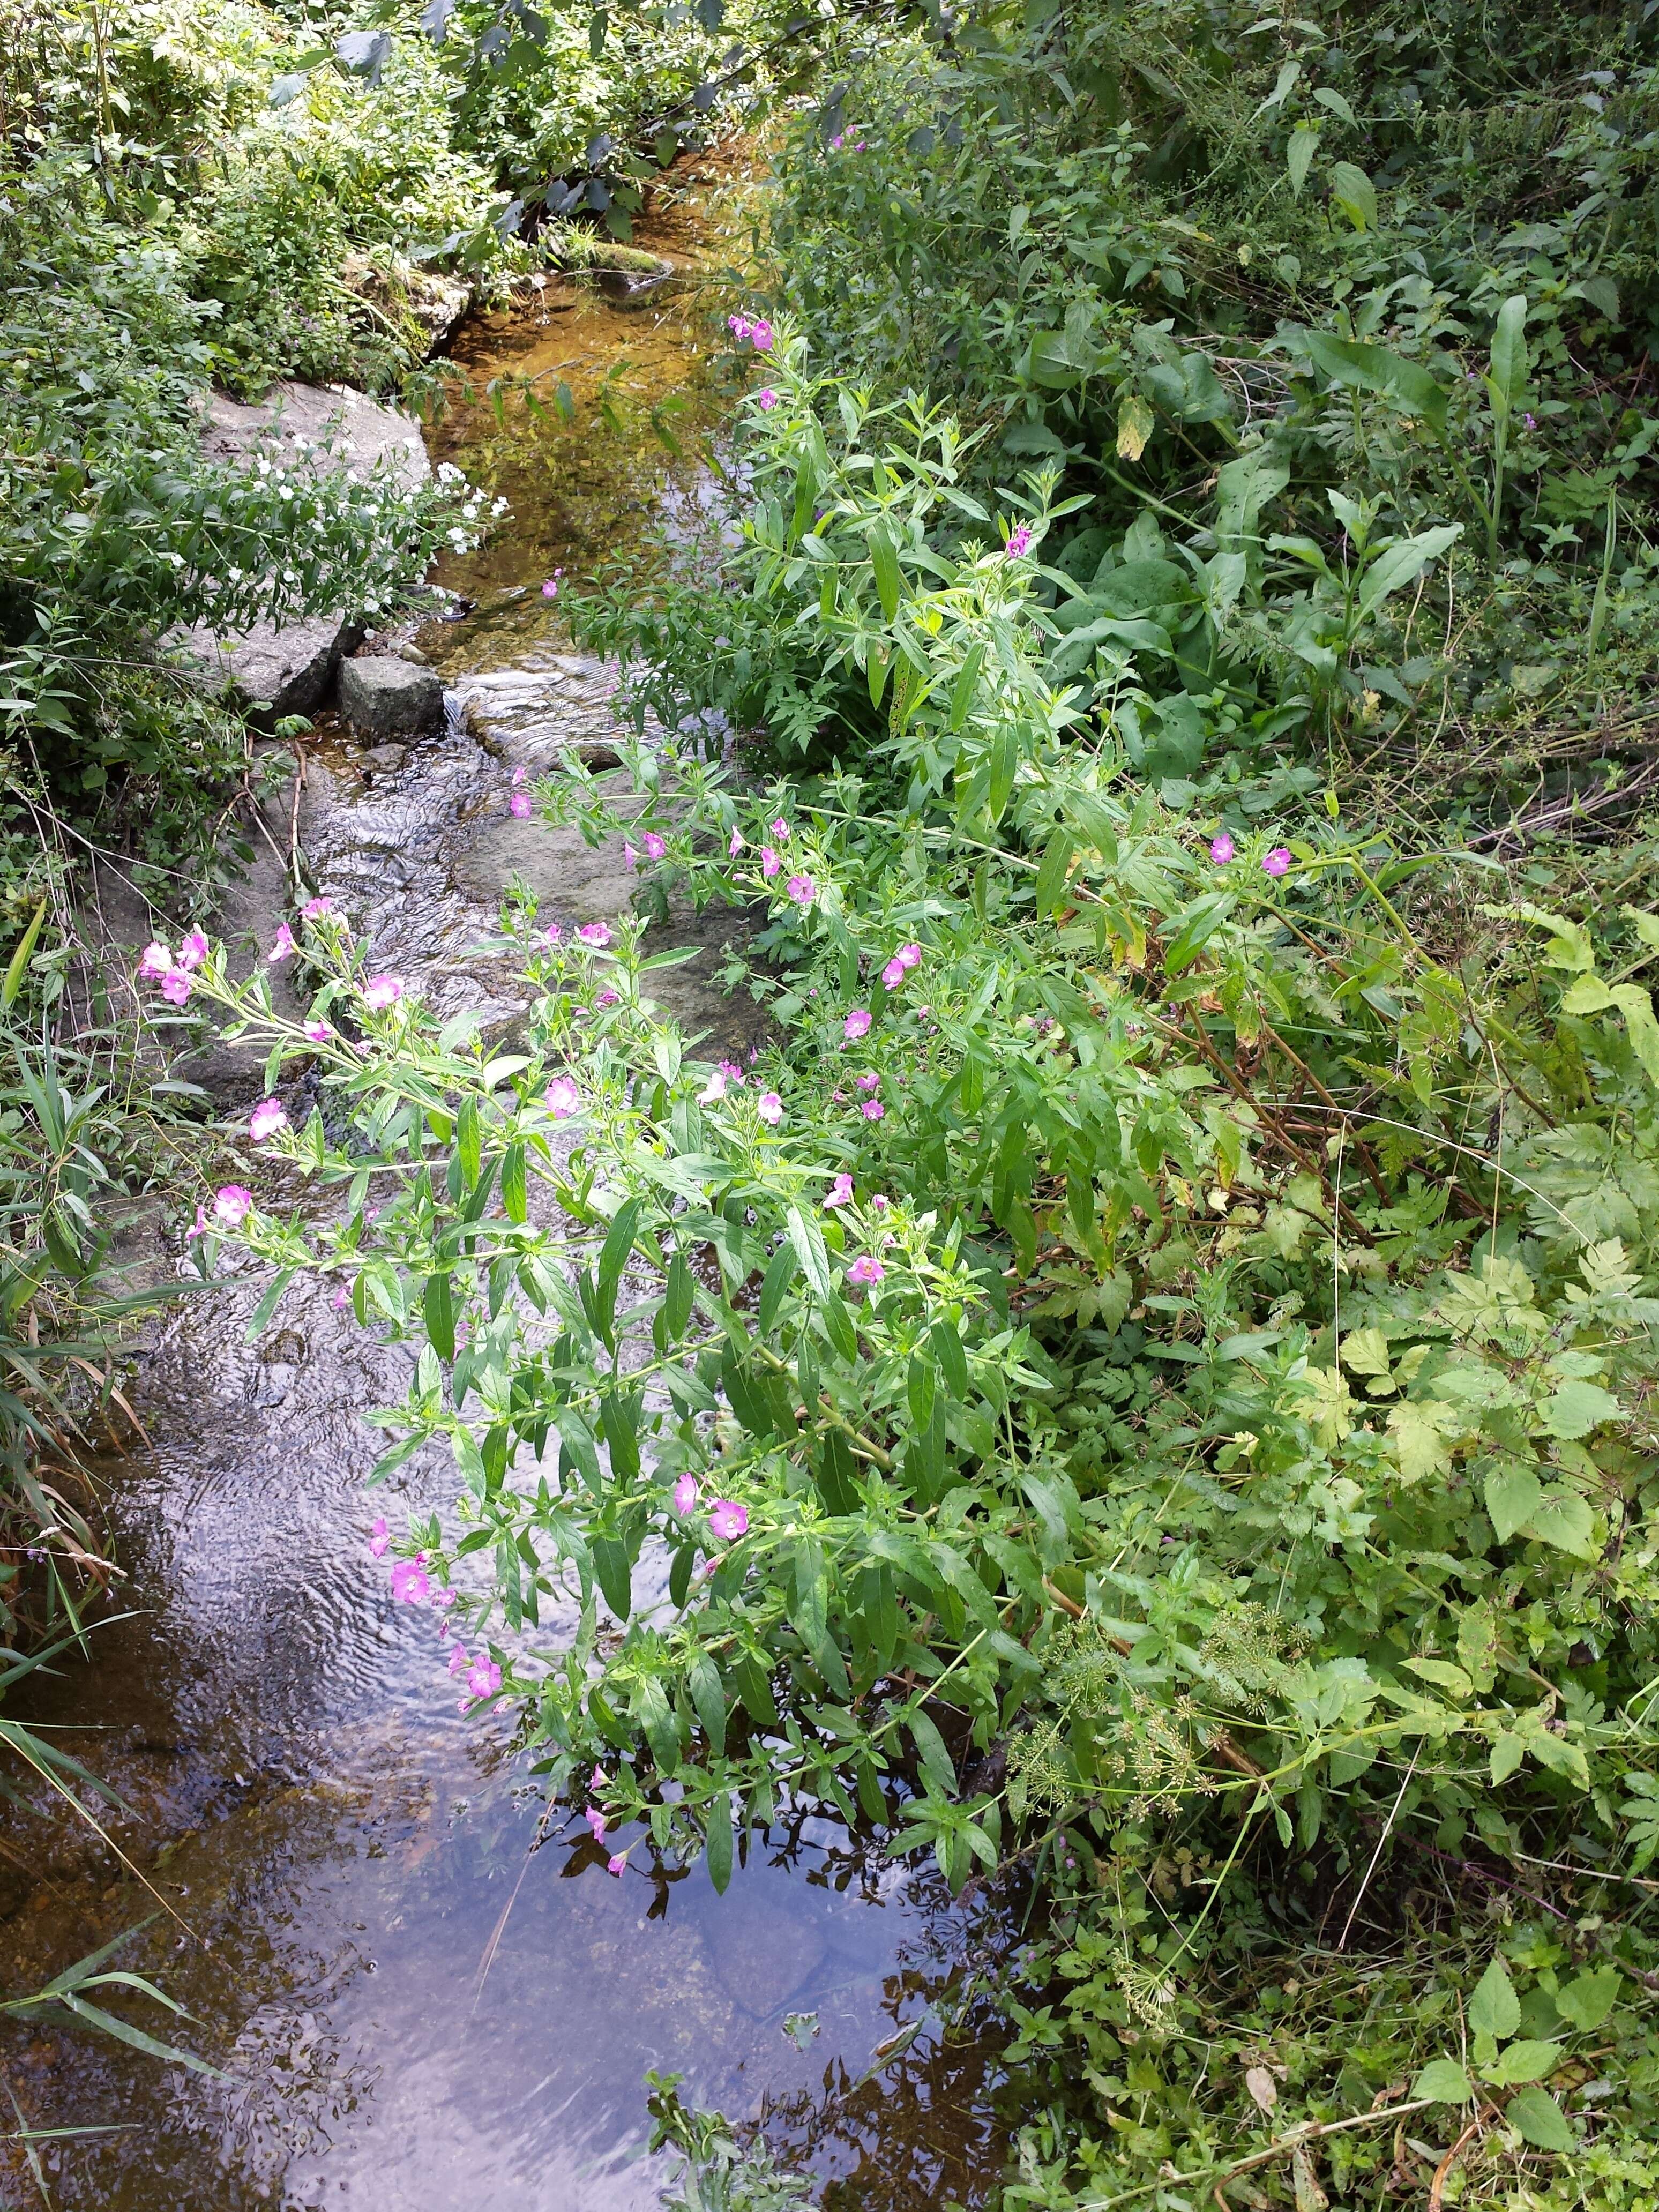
(423, 1986)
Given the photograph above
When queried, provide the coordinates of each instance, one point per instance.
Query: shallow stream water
(422, 1991)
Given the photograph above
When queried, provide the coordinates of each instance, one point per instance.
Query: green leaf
(720, 1840)
(807, 1238)
(1564, 1519)
(1363, 368)
(1509, 359)
(1526, 2061)
(17, 967)
(1355, 194)
(1056, 866)
(613, 1571)
(1444, 2079)
(1587, 2001)
(1328, 96)
(1513, 1495)
(708, 1700)
(1494, 2008)
(619, 1242)
(1403, 562)
(1135, 424)
(884, 561)
(953, 1364)
(437, 1311)
(935, 1759)
(679, 1292)
(1507, 1754)
(1298, 156)
(1539, 2120)
(774, 1286)
(1577, 1408)
(656, 1718)
(513, 1183)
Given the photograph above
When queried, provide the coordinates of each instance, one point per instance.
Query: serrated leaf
(1135, 424)
(1526, 2061)
(1494, 2008)
(1444, 2079)
(1443, 1674)
(1587, 2001)
(1355, 194)
(1298, 156)
(1513, 1495)
(1539, 2120)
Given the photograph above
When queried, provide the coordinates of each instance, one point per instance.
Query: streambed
(422, 1992)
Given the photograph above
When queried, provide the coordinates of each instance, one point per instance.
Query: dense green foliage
(1146, 1390)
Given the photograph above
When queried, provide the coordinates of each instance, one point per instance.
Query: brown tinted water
(421, 1986)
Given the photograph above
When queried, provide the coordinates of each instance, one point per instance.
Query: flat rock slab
(291, 670)
(384, 697)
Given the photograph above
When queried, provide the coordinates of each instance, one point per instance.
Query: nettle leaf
(1587, 2001)
(1513, 1495)
(1298, 156)
(1564, 1519)
(1494, 2008)
(1528, 2061)
(1539, 2120)
(1577, 1408)
(1353, 192)
(1444, 2079)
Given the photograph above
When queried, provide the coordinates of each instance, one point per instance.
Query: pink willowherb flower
(760, 337)
(596, 1821)
(908, 955)
(283, 946)
(857, 1024)
(873, 1110)
(878, 1204)
(1222, 849)
(594, 934)
(739, 325)
(609, 998)
(713, 1091)
(458, 1661)
(869, 1081)
(630, 858)
(550, 588)
(685, 1494)
(616, 1863)
(893, 974)
(866, 1268)
(175, 987)
(319, 1032)
(770, 1107)
(779, 829)
(1019, 542)
(155, 961)
(519, 805)
(728, 1520)
(199, 1227)
(381, 991)
(563, 1099)
(232, 1204)
(736, 845)
(266, 1118)
(317, 909)
(841, 1191)
(520, 776)
(194, 950)
(802, 890)
(766, 399)
(380, 1537)
(554, 934)
(599, 1779)
(770, 862)
(411, 1584)
(483, 1677)
(731, 1070)
(1278, 862)
(655, 847)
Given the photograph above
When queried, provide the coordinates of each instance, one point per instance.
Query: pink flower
(519, 805)
(866, 1268)
(283, 946)
(908, 955)
(409, 1581)
(1222, 849)
(378, 1538)
(857, 1024)
(199, 1227)
(594, 934)
(802, 890)
(766, 399)
(596, 1821)
(728, 1520)
(319, 1032)
(731, 1070)
(550, 588)
(554, 934)
(630, 858)
(739, 325)
(563, 1099)
(655, 846)
(458, 1662)
(736, 845)
(485, 1676)
(341, 1298)
(266, 1118)
(175, 987)
(780, 830)
(686, 1494)
(713, 1091)
(616, 1863)
(608, 997)
(381, 991)
(1019, 542)
(770, 862)
(873, 1110)
(155, 962)
(1278, 861)
(317, 909)
(841, 1191)
(232, 1205)
(518, 776)
(893, 974)
(760, 337)
(880, 1204)
(193, 951)
(599, 1779)
(770, 1107)
(869, 1081)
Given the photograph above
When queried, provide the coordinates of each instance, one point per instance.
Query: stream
(420, 1993)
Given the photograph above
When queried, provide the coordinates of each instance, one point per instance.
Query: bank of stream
(419, 1988)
